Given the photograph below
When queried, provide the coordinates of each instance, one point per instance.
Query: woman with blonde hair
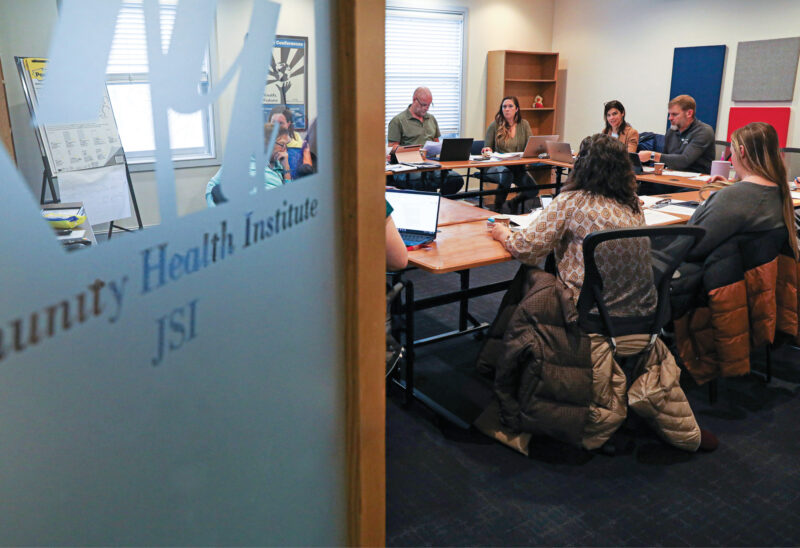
(737, 289)
(760, 200)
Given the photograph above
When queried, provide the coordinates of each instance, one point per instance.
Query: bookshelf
(524, 74)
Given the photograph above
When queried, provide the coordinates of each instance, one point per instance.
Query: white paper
(650, 201)
(795, 195)
(506, 155)
(654, 217)
(688, 174)
(704, 178)
(72, 235)
(479, 158)
(680, 210)
(399, 167)
(103, 191)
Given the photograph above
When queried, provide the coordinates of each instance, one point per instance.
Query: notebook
(560, 152)
(536, 145)
(415, 214)
(455, 150)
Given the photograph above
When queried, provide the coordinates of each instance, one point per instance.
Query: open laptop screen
(414, 211)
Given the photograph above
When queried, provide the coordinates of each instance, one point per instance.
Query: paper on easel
(103, 191)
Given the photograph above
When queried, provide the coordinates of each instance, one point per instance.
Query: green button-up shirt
(407, 130)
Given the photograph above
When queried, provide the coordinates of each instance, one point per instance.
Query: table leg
(463, 311)
(559, 174)
(409, 369)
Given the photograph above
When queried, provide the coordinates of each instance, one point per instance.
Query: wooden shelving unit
(525, 74)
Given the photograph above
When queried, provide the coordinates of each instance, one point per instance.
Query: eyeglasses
(423, 105)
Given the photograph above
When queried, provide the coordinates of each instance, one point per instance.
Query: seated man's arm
(693, 151)
(395, 133)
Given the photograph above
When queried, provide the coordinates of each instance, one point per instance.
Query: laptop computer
(415, 214)
(536, 145)
(637, 163)
(455, 150)
(560, 152)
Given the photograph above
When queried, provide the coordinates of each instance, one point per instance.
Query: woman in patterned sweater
(600, 194)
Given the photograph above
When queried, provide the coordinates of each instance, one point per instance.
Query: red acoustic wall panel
(777, 117)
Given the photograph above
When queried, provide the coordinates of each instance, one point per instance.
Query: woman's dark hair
(503, 127)
(617, 105)
(287, 113)
(603, 167)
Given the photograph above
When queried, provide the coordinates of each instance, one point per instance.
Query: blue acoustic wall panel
(766, 70)
(697, 71)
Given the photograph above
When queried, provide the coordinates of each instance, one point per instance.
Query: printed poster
(287, 82)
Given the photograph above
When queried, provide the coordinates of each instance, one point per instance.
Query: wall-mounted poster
(287, 83)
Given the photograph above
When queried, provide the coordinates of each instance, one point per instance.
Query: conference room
(201, 362)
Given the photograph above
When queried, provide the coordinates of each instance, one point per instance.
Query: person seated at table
(415, 126)
(274, 170)
(618, 128)
(508, 132)
(548, 377)
(396, 251)
(738, 268)
(689, 143)
(283, 116)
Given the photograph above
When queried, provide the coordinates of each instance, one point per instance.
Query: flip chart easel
(88, 156)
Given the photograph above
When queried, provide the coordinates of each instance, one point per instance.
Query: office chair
(626, 298)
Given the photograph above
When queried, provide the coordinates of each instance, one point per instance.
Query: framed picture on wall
(287, 83)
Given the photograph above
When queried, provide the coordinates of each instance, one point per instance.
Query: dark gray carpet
(452, 487)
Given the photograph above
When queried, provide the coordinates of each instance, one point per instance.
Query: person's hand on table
(486, 150)
(500, 232)
(717, 178)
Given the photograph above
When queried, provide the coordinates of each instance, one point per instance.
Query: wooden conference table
(462, 243)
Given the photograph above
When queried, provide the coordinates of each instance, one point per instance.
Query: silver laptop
(536, 145)
(560, 152)
(415, 214)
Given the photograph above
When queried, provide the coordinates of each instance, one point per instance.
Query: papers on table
(506, 155)
(654, 217)
(688, 174)
(395, 168)
(795, 194)
(479, 158)
(680, 210)
(650, 201)
(704, 178)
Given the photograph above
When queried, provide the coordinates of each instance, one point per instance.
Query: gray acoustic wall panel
(766, 70)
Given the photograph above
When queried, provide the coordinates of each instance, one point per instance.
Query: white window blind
(127, 78)
(425, 48)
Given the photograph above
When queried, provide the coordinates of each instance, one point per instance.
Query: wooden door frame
(358, 121)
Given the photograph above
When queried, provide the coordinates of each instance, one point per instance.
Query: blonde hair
(762, 157)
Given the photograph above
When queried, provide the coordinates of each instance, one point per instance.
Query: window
(425, 48)
(191, 135)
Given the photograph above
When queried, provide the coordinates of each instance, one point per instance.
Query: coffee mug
(721, 167)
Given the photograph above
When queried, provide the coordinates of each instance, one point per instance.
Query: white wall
(492, 25)
(623, 50)
(25, 30)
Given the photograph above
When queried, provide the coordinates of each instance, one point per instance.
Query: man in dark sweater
(689, 143)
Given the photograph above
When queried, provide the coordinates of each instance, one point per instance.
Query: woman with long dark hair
(600, 194)
(509, 132)
(618, 128)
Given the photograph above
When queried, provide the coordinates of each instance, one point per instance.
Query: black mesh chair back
(627, 278)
